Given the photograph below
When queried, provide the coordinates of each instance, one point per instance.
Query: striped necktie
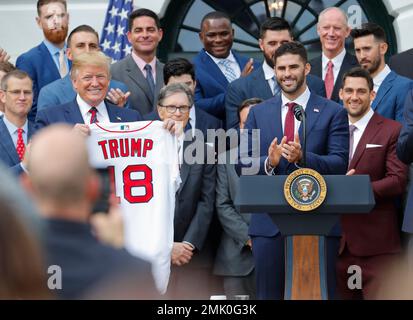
(227, 69)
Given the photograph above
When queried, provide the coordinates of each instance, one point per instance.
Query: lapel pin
(316, 110)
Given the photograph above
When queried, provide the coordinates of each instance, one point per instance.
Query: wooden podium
(305, 247)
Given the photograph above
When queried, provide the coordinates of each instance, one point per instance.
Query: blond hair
(97, 59)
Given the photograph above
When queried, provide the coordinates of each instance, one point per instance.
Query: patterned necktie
(276, 87)
(93, 118)
(289, 122)
(20, 147)
(228, 71)
(352, 128)
(329, 79)
(62, 64)
(149, 79)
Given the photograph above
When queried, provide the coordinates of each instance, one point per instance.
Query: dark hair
(81, 28)
(19, 74)
(293, 47)
(275, 24)
(42, 3)
(369, 28)
(215, 15)
(177, 67)
(143, 13)
(359, 72)
(249, 102)
(6, 66)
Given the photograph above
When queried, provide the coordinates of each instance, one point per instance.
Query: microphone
(299, 112)
(300, 115)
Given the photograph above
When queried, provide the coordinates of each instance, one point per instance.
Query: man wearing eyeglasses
(15, 129)
(195, 198)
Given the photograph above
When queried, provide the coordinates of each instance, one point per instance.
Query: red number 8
(129, 183)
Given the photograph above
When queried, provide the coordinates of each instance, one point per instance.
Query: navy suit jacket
(349, 62)
(255, 86)
(61, 91)
(92, 269)
(405, 154)
(70, 113)
(327, 143)
(8, 153)
(39, 64)
(401, 63)
(211, 84)
(389, 101)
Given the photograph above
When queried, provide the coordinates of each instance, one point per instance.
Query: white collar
(363, 122)
(268, 71)
(337, 60)
(85, 107)
(381, 75)
(302, 100)
(12, 128)
(217, 60)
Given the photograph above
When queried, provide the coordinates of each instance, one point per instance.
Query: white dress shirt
(269, 75)
(360, 127)
(101, 116)
(302, 100)
(379, 78)
(337, 62)
(192, 119)
(234, 64)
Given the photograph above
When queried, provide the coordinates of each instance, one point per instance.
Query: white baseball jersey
(144, 159)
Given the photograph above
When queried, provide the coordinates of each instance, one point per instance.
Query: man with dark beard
(281, 154)
(391, 89)
(47, 62)
(261, 82)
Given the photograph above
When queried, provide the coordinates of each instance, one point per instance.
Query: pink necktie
(289, 122)
(329, 80)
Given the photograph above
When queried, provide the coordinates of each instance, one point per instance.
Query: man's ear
(39, 22)
(383, 48)
(307, 68)
(340, 93)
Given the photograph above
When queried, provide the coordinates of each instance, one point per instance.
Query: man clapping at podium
(281, 153)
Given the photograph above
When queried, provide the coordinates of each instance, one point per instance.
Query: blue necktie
(149, 78)
(276, 87)
(228, 71)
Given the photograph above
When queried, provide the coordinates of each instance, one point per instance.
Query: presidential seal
(305, 189)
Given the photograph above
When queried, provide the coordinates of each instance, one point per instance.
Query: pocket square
(369, 146)
(316, 110)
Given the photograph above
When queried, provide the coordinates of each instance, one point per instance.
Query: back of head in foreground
(65, 188)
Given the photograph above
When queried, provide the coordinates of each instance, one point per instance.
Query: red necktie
(93, 118)
(289, 122)
(329, 80)
(20, 144)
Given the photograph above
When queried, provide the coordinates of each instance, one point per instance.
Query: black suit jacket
(402, 63)
(349, 62)
(87, 265)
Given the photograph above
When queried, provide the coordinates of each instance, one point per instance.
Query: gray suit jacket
(127, 71)
(233, 257)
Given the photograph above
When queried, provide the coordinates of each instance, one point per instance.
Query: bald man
(333, 29)
(65, 191)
